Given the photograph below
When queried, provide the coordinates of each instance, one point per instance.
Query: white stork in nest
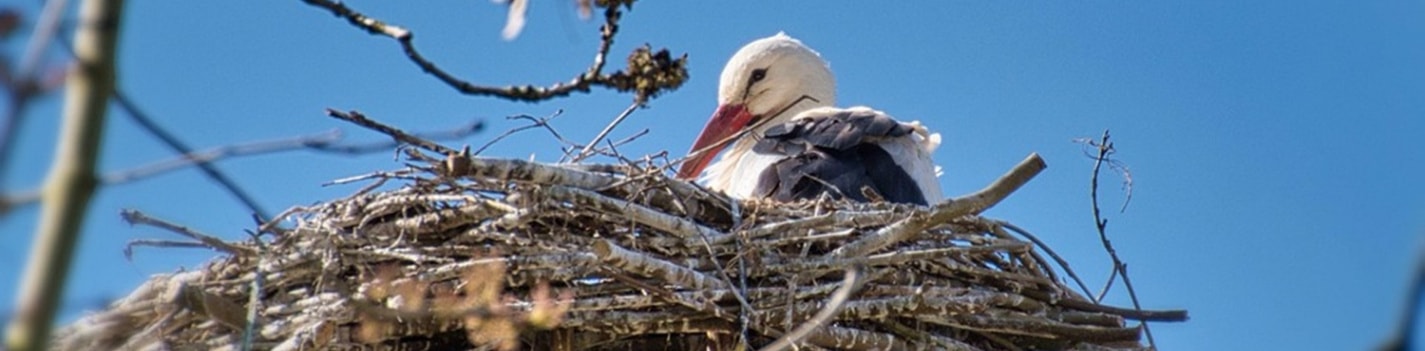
(776, 109)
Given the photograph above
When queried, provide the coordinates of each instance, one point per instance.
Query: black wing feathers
(836, 155)
(840, 131)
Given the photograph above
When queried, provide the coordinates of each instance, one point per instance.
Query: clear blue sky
(1276, 147)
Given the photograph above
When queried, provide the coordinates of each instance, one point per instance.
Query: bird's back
(856, 153)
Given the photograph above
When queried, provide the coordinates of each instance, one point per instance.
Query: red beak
(727, 121)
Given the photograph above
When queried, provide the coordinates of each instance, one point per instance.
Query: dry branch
(1120, 268)
(648, 74)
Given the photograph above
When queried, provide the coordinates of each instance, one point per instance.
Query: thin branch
(1112, 276)
(459, 132)
(849, 285)
(399, 135)
(658, 72)
(1105, 148)
(1113, 164)
(323, 142)
(207, 156)
(588, 148)
(379, 176)
(160, 243)
(1064, 264)
(179, 147)
(134, 217)
(542, 122)
(631, 138)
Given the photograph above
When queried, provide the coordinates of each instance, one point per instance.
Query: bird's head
(765, 83)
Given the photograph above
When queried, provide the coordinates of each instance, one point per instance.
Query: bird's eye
(758, 75)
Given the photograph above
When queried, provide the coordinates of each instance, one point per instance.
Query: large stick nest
(494, 253)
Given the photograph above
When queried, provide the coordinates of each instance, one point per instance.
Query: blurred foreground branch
(24, 82)
(71, 180)
(1403, 338)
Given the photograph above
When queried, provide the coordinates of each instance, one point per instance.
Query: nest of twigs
(494, 253)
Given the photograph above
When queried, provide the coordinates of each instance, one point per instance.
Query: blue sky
(1276, 147)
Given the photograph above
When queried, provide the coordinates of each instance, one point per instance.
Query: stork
(775, 108)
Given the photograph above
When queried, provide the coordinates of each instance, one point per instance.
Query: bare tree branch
(648, 73)
(1105, 148)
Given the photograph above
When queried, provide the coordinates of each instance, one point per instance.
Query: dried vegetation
(476, 252)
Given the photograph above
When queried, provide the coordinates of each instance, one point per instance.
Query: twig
(205, 164)
(207, 156)
(542, 122)
(179, 147)
(134, 217)
(1135, 314)
(129, 247)
(631, 138)
(667, 75)
(1105, 148)
(399, 135)
(323, 142)
(459, 132)
(1042, 246)
(1103, 292)
(849, 285)
(588, 148)
(1113, 164)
